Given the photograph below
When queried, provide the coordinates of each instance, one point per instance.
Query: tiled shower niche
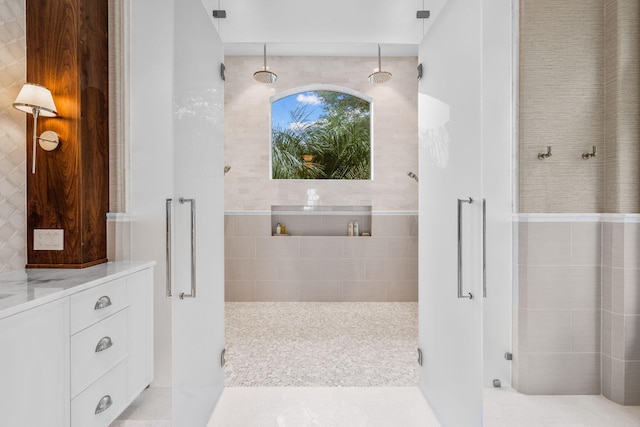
(321, 220)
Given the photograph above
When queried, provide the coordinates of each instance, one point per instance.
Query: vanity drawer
(97, 349)
(107, 397)
(93, 305)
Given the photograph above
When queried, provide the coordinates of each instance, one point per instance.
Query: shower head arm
(265, 57)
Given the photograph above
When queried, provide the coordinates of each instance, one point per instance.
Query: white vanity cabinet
(34, 367)
(111, 349)
(83, 352)
(140, 363)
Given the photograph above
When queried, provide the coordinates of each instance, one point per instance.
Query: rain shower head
(264, 75)
(379, 76)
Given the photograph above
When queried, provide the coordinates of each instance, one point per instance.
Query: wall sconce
(37, 100)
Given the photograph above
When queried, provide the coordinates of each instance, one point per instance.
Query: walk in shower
(315, 306)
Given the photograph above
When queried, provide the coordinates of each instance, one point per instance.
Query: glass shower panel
(465, 137)
(196, 213)
(450, 149)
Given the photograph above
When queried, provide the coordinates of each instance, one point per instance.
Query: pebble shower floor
(318, 344)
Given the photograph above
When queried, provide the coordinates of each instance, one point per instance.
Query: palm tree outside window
(321, 134)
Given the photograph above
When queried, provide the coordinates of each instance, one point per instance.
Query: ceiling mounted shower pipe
(264, 75)
(379, 76)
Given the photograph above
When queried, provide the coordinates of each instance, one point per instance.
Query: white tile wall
(562, 373)
(13, 254)
(261, 267)
(559, 300)
(620, 308)
(577, 307)
(247, 133)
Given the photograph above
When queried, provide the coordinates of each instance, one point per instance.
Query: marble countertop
(25, 289)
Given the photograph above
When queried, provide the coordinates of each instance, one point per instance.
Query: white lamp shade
(35, 96)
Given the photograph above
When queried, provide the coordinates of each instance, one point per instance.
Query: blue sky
(280, 110)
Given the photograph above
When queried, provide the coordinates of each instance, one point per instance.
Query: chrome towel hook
(543, 156)
(587, 156)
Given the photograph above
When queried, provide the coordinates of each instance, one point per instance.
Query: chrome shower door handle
(460, 202)
(484, 248)
(169, 259)
(192, 202)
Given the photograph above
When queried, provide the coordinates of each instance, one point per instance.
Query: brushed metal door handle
(460, 293)
(192, 202)
(484, 248)
(168, 253)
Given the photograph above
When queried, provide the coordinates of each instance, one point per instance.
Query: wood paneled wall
(67, 51)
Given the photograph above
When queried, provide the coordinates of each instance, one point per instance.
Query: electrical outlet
(48, 240)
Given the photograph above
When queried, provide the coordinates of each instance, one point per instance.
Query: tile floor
(322, 406)
(379, 406)
(151, 409)
(505, 407)
(314, 344)
(368, 379)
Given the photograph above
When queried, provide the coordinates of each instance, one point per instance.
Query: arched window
(321, 132)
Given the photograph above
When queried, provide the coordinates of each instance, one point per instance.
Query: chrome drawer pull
(104, 404)
(103, 302)
(104, 344)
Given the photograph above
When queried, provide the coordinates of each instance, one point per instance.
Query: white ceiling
(320, 49)
(323, 27)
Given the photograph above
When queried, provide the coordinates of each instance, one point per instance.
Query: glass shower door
(196, 216)
(465, 123)
(450, 147)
